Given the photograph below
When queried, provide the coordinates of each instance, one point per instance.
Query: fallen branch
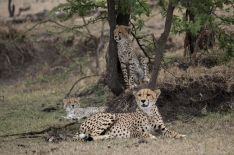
(39, 132)
(77, 81)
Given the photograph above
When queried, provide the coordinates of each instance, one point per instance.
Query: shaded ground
(191, 92)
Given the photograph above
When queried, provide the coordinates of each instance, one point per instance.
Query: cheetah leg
(125, 74)
(144, 62)
(159, 125)
(149, 135)
(101, 137)
(131, 75)
(172, 134)
(168, 133)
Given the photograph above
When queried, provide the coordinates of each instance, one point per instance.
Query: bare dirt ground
(43, 83)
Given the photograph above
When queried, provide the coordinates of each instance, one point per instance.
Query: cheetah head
(71, 103)
(146, 99)
(121, 33)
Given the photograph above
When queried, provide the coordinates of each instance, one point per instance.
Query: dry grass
(44, 4)
(212, 134)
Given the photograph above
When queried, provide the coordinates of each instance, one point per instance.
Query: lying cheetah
(142, 123)
(74, 111)
(134, 64)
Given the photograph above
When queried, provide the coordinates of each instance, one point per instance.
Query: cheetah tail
(173, 134)
(85, 137)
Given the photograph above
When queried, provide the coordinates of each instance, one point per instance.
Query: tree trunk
(113, 71)
(123, 19)
(114, 77)
(11, 8)
(160, 46)
(190, 39)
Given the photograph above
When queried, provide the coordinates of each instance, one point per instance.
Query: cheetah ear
(157, 92)
(134, 93)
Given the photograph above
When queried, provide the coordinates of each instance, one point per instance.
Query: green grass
(21, 110)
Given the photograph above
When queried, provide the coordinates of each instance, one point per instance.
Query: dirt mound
(20, 54)
(196, 96)
(15, 50)
(187, 96)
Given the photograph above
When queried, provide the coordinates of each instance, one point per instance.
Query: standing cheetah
(134, 64)
(142, 123)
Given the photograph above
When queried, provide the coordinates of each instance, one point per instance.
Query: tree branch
(160, 45)
(113, 72)
(41, 131)
(77, 81)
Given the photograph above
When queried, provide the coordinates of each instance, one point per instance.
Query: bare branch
(141, 46)
(160, 45)
(40, 132)
(77, 81)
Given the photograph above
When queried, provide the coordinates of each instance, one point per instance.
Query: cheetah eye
(139, 95)
(148, 94)
(119, 32)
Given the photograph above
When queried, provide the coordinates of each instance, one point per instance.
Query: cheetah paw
(180, 136)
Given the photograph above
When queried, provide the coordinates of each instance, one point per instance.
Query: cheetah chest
(126, 54)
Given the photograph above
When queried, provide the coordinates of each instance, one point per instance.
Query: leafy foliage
(79, 7)
(137, 8)
(205, 14)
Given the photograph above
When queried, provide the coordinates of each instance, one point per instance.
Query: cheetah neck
(149, 112)
(124, 43)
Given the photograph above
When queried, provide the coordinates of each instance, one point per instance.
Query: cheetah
(75, 112)
(134, 65)
(140, 124)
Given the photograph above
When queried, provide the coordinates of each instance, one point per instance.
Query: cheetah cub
(142, 123)
(74, 111)
(134, 64)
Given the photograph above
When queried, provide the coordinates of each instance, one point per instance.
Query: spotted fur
(142, 123)
(74, 111)
(133, 64)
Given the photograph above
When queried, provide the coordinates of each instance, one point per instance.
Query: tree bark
(11, 8)
(160, 46)
(123, 19)
(113, 71)
(114, 77)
